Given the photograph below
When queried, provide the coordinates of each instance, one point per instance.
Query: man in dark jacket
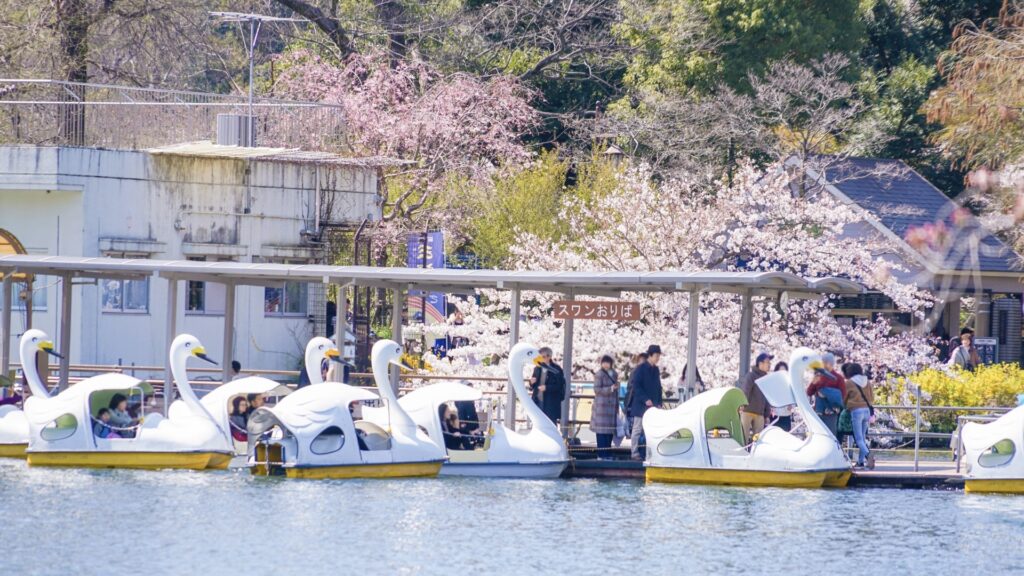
(548, 386)
(752, 415)
(646, 394)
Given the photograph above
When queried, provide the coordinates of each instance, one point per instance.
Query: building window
(291, 299)
(19, 295)
(130, 296)
(205, 297)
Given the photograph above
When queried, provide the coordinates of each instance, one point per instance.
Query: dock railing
(579, 411)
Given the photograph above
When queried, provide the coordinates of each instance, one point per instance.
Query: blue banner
(426, 250)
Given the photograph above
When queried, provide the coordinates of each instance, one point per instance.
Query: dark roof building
(971, 261)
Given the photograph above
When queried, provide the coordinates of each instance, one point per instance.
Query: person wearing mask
(752, 414)
(548, 385)
(859, 398)
(965, 355)
(783, 414)
(647, 393)
(828, 388)
(606, 406)
(254, 400)
(120, 420)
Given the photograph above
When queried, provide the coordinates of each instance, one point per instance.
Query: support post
(341, 319)
(513, 337)
(5, 335)
(691, 353)
(917, 425)
(982, 313)
(567, 335)
(746, 326)
(229, 331)
(396, 333)
(65, 332)
(171, 332)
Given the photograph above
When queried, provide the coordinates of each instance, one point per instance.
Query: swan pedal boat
(14, 430)
(700, 441)
(61, 427)
(992, 454)
(312, 433)
(540, 453)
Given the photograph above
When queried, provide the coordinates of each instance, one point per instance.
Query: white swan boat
(702, 441)
(13, 424)
(540, 453)
(61, 428)
(992, 454)
(315, 432)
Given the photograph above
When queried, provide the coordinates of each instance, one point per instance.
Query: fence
(58, 113)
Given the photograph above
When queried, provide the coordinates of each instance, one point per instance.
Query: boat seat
(725, 414)
(375, 438)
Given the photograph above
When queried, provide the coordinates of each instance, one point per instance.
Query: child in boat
(239, 419)
(102, 427)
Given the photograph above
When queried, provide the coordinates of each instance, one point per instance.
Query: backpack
(828, 401)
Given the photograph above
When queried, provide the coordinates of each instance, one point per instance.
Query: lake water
(66, 522)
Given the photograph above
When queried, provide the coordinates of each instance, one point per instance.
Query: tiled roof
(901, 199)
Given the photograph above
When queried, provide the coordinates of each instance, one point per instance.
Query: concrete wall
(174, 207)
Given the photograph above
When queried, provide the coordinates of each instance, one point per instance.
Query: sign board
(596, 310)
(426, 250)
(988, 349)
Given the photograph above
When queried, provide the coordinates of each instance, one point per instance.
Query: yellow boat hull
(219, 461)
(995, 486)
(403, 470)
(13, 450)
(135, 460)
(837, 478)
(724, 477)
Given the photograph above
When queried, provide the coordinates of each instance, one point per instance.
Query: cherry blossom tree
(756, 224)
(441, 128)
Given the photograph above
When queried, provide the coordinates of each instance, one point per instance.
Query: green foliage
(698, 43)
(527, 201)
(989, 385)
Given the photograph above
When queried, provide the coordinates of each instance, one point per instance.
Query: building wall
(175, 207)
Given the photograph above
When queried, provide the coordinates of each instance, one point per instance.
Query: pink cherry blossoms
(754, 224)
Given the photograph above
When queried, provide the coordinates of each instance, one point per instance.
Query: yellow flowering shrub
(989, 385)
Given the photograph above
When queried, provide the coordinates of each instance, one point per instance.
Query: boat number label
(596, 310)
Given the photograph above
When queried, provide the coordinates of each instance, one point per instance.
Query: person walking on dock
(606, 406)
(647, 393)
(752, 415)
(859, 397)
(548, 385)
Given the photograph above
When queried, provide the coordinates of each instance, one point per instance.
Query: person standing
(647, 393)
(965, 355)
(753, 413)
(828, 388)
(236, 369)
(548, 386)
(783, 414)
(606, 406)
(859, 397)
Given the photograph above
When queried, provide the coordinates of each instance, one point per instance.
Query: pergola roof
(438, 280)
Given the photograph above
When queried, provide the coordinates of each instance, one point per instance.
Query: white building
(193, 201)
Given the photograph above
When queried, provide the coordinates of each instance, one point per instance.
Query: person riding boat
(454, 439)
(120, 419)
(102, 427)
(239, 418)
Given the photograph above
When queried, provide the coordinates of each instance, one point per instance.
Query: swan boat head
(33, 341)
(183, 347)
(317, 350)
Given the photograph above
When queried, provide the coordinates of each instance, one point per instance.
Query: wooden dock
(932, 475)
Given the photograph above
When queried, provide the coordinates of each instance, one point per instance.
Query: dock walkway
(935, 475)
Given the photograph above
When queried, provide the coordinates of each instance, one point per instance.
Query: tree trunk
(73, 21)
(391, 14)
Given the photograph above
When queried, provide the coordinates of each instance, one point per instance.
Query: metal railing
(53, 112)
